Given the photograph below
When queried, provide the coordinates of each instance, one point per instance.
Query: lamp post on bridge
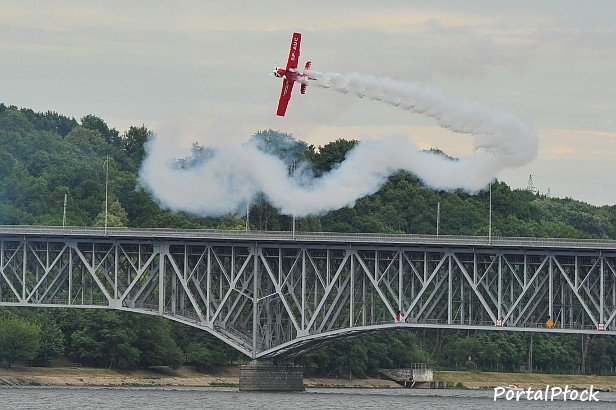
(106, 164)
(438, 216)
(64, 211)
(490, 217)
(293, 168)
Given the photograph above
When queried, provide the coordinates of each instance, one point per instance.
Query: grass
(475, 379)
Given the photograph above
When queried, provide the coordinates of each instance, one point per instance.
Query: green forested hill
(45, 157)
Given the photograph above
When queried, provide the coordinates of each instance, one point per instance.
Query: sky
(198, 71)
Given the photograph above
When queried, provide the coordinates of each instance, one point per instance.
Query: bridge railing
(367, 238)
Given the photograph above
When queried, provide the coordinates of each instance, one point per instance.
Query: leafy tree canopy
(19, 340)
(94, 123)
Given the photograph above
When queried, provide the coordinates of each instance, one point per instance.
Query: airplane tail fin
(306, 68)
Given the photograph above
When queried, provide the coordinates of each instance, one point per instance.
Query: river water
(119, 398)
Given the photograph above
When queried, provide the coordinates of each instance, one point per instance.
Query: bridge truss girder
(281, 298)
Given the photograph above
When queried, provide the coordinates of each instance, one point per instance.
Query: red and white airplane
(291, 74)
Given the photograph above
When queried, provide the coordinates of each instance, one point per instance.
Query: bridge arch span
(271, 294)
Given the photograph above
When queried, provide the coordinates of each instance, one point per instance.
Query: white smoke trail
(507, 137)
(232, 176)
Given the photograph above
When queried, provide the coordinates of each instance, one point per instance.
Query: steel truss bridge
(277, 294)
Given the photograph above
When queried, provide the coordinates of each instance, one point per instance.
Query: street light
(64, 212)
(294, 186)
(438, 216)
(490, 218)
(106, 164)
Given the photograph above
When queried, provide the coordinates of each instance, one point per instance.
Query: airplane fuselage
(290, 74)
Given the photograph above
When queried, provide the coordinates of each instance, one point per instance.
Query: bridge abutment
(260, 375)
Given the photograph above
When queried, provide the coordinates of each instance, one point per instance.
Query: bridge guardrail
(276, 236)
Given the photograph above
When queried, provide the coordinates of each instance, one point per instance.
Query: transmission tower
(531, 186)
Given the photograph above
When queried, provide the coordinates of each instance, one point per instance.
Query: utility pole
(106, 192)
(293, 223)
(247, 213)
(438, 216)
(490, 218)
(64, 212)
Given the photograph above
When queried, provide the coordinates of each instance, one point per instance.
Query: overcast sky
(197, 70)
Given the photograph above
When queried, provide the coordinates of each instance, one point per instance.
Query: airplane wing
(294, 51)
(285, 96)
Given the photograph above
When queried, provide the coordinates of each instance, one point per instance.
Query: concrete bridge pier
(264, 375)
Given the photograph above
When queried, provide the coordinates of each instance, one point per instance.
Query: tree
(133, 142)
(364, 355)
(460, 350)
(553, 353)
(51, 337)
(232, 222)
(49, 121)
(105, 338)
(93, 122)
(19, 340)
(90, 141)
(202, 349)
(325, 158)
(280, 144)
(116, 215)
(309, 223)
(205, 352)
(14, 120)
(86, 348)
(601, 355)
(204, 356)
(155, 343)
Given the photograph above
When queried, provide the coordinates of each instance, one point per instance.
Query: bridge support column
(262, 375)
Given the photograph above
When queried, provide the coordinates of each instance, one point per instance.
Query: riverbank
(185, 376)
(229, 376)
(489, 380)
(84, 376)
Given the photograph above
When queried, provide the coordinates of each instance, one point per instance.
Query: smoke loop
(232, 176)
